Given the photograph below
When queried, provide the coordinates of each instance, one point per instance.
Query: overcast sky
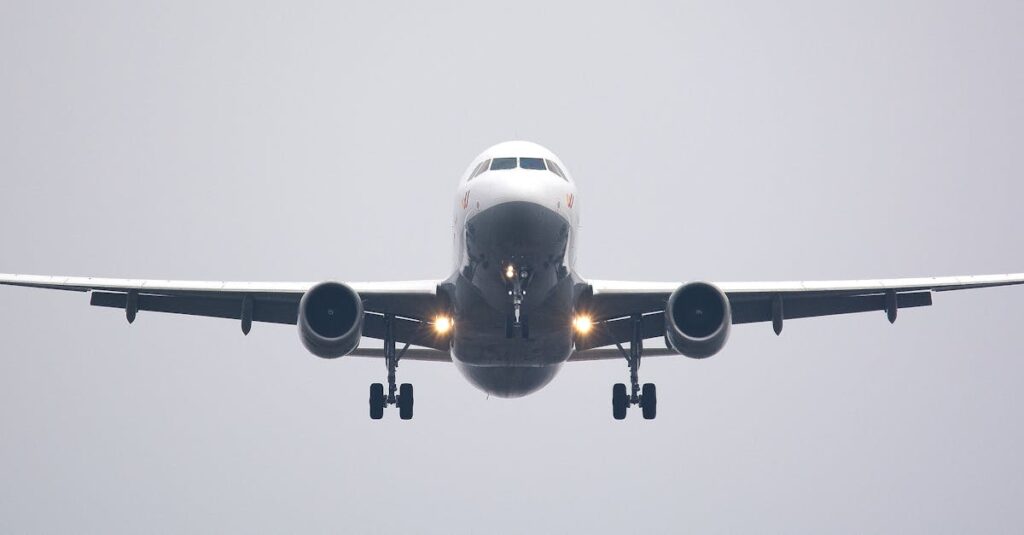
(713, 140)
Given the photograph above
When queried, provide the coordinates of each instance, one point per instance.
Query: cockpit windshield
(480, 168)
(501, 164)
(553, 167)
(536, 164)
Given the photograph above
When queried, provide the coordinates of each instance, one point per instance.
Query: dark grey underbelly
(496, 360)
(508, 381)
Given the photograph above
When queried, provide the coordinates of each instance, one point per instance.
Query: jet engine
(697, 320)
(330, 320)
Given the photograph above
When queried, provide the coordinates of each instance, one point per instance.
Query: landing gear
(517, 279)
(647, 397)
(402, 396)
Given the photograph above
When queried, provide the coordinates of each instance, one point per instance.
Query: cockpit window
(553, 167)
(532, 163)
(503, 163)
(535, 164)
(480, 169)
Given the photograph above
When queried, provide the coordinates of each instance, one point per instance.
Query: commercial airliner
(514, 309)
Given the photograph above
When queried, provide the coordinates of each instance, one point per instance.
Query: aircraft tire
(377, 401)
(405, 401)
(649, 401)
(620, 401)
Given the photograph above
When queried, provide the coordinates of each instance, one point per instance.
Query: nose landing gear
(647, 396)
(517, 281)
(400, 396)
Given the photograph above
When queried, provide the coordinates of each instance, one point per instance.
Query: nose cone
(542, 188)
(520, 229)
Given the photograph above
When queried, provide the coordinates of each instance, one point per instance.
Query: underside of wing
(412, 303)
(612, 303)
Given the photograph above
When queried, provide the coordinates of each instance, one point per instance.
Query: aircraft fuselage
(515, 233)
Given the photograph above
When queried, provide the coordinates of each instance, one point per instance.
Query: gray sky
(714, 140)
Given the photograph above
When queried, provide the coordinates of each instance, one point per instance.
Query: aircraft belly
(482, 337)
(497, 354)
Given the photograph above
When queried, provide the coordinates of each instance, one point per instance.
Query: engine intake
(330, 320)
(698, 319)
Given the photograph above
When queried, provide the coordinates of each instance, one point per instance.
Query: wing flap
(752, 310)
(613, 353)
(413, 353)
(264, 310)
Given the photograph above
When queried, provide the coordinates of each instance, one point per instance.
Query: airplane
(514, 308)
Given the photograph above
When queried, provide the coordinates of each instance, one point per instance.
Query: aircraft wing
(613, 302)
(414, 302)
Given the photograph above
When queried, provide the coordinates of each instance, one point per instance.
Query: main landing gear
(404, 398)
(647, 396)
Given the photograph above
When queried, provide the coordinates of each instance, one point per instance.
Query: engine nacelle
(698, 319)
(330, 320)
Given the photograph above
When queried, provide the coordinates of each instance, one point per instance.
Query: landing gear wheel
(405, 401)
(649, 401)
(620, 401)
(377, 401)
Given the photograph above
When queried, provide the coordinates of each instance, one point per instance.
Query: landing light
(443, 324)
(582, 324)
(510, 272)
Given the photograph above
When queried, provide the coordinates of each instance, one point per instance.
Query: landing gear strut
(517, 279)
(647, 396)
(402, 396)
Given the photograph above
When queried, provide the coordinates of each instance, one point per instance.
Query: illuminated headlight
(443, 324)
(582, 323)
